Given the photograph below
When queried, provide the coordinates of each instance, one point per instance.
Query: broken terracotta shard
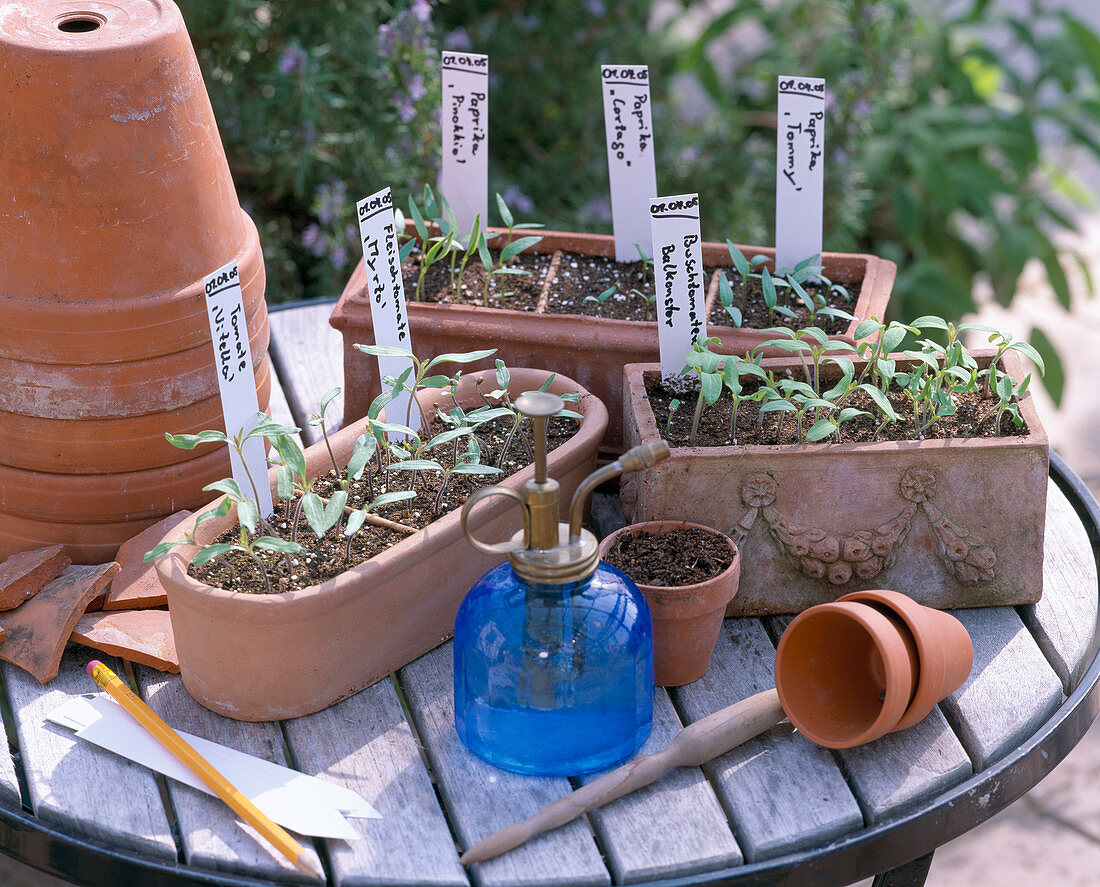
(23, 575)
(137, 584)
(143, 636)
(38, 630)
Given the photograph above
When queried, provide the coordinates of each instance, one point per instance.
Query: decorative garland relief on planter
(863, 554)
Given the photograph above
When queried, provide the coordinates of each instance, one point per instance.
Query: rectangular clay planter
(591, 350)
(952, 523)
(266, 657)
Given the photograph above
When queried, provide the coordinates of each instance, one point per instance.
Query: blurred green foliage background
(947, 138)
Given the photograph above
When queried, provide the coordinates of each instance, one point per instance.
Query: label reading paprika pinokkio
(631, 169)
(464, 121)
(800, 170)
(386, 291)
(236, 380)
(679, 276)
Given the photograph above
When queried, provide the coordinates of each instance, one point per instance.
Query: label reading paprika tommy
(464, 121)
(800, 166)
(678, 273)
(631, 169)
(386, 291)
(236, 380)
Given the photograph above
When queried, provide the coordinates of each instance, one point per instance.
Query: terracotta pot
(953, 523)
(686, 618)
(872, 663)
(121, 202)
(943, 646)
(266, 657)
(565, 341)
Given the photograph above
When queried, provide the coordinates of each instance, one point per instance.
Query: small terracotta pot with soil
(688, 574)
(869, 664)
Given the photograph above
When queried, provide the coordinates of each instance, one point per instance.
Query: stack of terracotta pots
(115, 202)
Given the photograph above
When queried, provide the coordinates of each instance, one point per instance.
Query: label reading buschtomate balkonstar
(678, 273)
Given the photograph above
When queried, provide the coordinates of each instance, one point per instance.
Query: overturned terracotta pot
(120, 203)
(257, 657)
(852, 671)
(686, 618)
(565, 341)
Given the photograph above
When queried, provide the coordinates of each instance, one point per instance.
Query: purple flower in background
(314, 240)
(339, 257)
(517, 200)
(416, 87)
(459, 40)
(332, 197)
(293, 59)
(422, 9)
(595, 8)
(861, 108)
(386, 40)
(405, 110)
(598, 210)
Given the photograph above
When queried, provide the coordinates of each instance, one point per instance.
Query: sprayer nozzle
(644, 456)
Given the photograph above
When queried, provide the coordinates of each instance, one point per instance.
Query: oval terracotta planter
(121, 202)
(266, 657)
(687, 618)
(845, 673)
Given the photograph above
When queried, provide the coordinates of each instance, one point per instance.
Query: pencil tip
(310, 866)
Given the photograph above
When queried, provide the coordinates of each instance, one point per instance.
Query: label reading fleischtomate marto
(631, 169)
(386, 290)
(681, 283)
(800, 165)
(464, 120)
(236, 380)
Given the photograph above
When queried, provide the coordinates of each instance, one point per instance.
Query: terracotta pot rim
(332, 592)
(660, 527)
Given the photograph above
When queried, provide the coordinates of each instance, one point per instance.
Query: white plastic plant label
(678, 272)
(631, 169)
(236, 381)
(464, 121)
(800, 165)
(386, 291)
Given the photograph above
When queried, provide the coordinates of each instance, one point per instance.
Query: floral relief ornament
(864, 553)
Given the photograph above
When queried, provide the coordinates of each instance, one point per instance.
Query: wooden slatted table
(777, 809)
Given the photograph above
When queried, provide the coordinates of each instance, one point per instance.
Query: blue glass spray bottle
(553, 650)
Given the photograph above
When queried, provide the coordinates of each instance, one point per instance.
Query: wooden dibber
(696, 744)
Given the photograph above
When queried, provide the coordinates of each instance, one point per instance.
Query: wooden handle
(696, 744)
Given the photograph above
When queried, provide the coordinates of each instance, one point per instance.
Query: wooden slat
(212, 835)
(278, 408)
(480, 798)
(366, 744)
(1063, 622)
(782, 792)
(90, 793)
(1011, 690)
(896, 772)
(308, 355)
(673, 827)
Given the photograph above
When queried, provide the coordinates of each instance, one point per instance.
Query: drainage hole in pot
(81, 24)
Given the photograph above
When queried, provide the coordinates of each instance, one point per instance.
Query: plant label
(799, 174)
(630, 166)
(464, 121)
(678, 273)
(386, 290)
(236, 380)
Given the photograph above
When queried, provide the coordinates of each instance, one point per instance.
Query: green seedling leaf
(416, 465)
(227, 486)
(365, 447)
(517, 246)
(929, 321)
(820, 430)
(568, 414)
(474, 468)
(776, 406)
(447, 436)
(284, 482)
(465, 357)
(437, 381)
(390, 499)
(502, 375)
(385, 351)
(190, 441)
(160, 550)
(866, 328)
(739, 261)
(282, 546)
(418, 219)
(248, 513)
(767, 285)
(406, 251)
(355, 522)
(327, 398)
(210, 552)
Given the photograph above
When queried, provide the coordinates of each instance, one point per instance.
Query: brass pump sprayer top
(545, 550)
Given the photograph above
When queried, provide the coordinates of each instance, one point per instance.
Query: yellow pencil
(202, 768)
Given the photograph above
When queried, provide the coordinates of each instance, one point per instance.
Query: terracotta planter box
(951, 523)
(265, 657)
(592, 350)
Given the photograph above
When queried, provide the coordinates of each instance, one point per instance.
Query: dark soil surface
(755, 311)
(681, 557)
(973, 418)
(517, 291)
(331, 555)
